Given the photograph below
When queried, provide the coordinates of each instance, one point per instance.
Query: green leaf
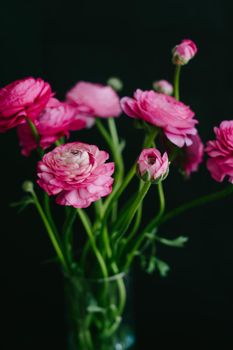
(151, 265)
(162, 267)
(122, 146)
(95, 309)
(21, 205)
(177, 242)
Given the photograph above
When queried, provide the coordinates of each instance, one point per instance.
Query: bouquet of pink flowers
(78, 175)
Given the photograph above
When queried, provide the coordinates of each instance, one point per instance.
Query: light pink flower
(77, 173)
(95, 100)
(54, 122)
(152, 166)
(220, 151)
(163, 86)
(22, 98)
(192, 155)
(174, 117)
(183, 52)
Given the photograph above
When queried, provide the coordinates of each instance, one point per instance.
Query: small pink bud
(163, 86)
(151, 166)
(183, 52)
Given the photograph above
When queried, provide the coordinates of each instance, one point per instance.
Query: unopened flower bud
(152, 166)
(183, 52)
(163, 86)
(115, 83)
(27, 186)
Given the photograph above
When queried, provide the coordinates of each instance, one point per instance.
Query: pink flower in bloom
(163, 86)
(174, 117)
(77, 173)
(220, 151)
(151, 166)
(183, 52)
(192, 155)
(55, 121)
(22, 98)
(95, 100)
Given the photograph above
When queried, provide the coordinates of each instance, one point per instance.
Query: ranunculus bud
(163, 86)
(152, 166)
(183, 52)
(27, 186)
(115, 83)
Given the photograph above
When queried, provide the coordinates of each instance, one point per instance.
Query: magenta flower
(220, 151)
(192, 155)
(183, 52)
(95, 100)
(151, 166)
(163, 86)
(174, 117)
(54, 122)
(77, 173)
(22, 98)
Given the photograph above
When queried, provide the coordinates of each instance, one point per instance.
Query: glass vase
(98, 314)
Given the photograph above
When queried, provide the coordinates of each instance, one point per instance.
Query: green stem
(137, 203)
(85, 220)
(138, 219)
(142, 236)
(184, 207)
(48, 213)
(114, 196)
(68, 234)
(114, 145)
(36, 136)
(197, 202)
(51, 234)
(177, 82)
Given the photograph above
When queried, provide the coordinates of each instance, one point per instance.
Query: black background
(66, 41)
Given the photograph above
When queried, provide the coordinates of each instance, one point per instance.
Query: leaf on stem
(21, 205)
(162, 267)
(178, 242)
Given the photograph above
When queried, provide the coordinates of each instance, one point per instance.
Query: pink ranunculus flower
(174, 117)
(95, 100)
(152, 166)
(220, 152)
(76, 173)
(163, 86)
(183, 52)
(22, 98)
(192, 155)
(57, 119)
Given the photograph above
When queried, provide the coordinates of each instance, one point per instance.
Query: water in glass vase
(98, 315)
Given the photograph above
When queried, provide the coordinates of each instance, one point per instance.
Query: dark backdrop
(66, 41)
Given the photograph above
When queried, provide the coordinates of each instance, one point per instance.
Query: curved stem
(51, 234)
(136, 205)
(68, 234)
(197, 202)
(177, 82)
(143, 234)
(36, 136)
(114, 196)
(192, 204)
(85, 220)
(48, 212)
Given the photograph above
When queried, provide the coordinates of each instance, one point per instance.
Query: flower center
(151, 160)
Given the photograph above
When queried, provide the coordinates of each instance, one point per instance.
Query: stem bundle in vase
(79, 175)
